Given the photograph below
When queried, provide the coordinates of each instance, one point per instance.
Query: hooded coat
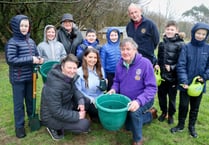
(110, 52)
(51, 50)
(194, 58)
(19, 52)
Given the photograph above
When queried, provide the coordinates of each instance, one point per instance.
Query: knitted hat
(67, 16)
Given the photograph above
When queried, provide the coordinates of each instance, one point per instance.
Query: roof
(122, 29)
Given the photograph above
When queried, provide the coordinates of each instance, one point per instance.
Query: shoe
(170, 120)
(138, 143)
(176, 129)
(54, 134)
(153, 111)
(192, 132)
(162, 117)
(20, 132)
(60, 132)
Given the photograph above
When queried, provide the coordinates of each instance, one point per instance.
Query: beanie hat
(67, 16)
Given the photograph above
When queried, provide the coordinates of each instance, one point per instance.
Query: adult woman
(62, 104)
(91, 73)
(68, 34)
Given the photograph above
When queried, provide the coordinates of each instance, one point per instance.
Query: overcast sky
(178, 6)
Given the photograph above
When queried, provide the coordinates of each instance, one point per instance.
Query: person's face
(91, 37)
(91, 59)
(171, 31)
(200, 34)
(128, 52)
(114, 36)
(24, 26)
(135, 13)
(50, 34)
(68, 25)
(69, 69)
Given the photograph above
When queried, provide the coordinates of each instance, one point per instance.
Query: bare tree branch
(43, 1)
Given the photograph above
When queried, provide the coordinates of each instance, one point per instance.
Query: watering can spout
(158, 77)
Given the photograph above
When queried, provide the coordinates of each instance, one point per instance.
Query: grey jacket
(51, 50)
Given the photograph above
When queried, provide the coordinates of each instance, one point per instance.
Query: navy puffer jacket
(19, 52)
(194, 58)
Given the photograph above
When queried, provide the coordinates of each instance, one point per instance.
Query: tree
(198, 14)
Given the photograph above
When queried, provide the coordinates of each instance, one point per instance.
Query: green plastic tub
(45, 68)
(112, 110)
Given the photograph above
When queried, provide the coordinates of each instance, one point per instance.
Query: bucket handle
(128, 105)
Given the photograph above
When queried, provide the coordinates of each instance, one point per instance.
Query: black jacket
(70, 40)
(59, 98)
(168, 53)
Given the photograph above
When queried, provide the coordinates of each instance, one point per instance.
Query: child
(91, 72)
(193, 61)
(168, 53)
(90, 40)
(21, 55)
(51, 49)
(110, 54)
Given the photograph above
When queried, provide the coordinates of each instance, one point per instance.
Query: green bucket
(45, 68)
(112, 110)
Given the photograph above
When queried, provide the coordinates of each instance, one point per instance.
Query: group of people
(126, 66)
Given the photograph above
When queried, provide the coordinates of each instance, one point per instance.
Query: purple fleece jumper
(136, 82)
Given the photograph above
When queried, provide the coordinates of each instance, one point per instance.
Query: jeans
(136, 120)
(21, 91)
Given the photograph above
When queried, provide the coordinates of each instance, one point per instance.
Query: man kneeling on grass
(62, 104)
(134, 78)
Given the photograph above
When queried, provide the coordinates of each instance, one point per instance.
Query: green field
(156, 133)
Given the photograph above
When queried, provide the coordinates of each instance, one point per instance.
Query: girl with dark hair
(91, 73)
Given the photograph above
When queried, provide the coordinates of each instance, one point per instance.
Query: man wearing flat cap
(68, 34)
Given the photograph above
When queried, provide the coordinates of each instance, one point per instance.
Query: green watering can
(195, 88)
(158, 77)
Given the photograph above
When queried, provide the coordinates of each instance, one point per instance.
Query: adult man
(134, 78)
(68, 35)
(143, 31)
(62, 104)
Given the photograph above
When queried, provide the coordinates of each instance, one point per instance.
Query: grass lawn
(156, 133)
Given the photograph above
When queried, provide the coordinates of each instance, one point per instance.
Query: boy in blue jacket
(193, 61)
(21, 55)
(110, 54)
(90, 41)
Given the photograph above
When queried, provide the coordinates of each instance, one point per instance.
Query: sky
(178, 6)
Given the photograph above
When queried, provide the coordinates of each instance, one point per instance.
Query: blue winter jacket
(19, 52)
(82, 47)
(110, 52)
(194, 58)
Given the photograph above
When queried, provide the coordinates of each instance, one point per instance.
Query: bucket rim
(111, 110)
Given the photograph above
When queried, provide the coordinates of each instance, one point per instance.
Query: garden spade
(34, 121)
